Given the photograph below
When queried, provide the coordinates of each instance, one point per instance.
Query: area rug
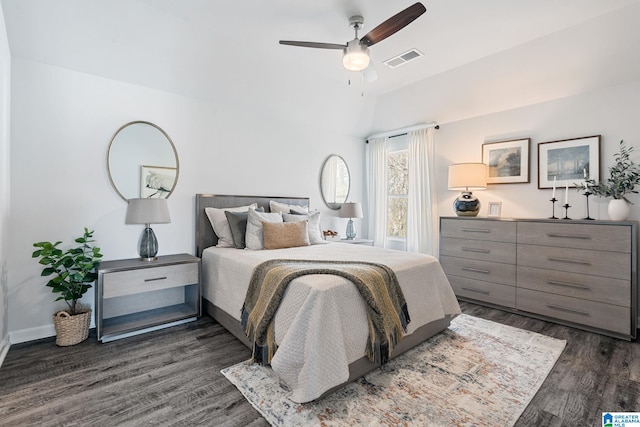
(476, 373)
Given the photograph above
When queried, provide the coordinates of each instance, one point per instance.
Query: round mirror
(142, 162)
(335, 181)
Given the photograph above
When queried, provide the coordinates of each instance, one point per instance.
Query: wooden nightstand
(135, 296)
(355, 241)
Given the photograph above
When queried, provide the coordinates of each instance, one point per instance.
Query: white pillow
(254, 238)
(285, 209)
(220, 225)
(315, 234)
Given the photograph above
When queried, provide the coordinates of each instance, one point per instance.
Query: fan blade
(393, 24)
(314, 44)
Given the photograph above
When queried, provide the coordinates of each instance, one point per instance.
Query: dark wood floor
(171, 377)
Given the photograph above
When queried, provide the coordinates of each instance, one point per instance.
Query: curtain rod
(403, 131)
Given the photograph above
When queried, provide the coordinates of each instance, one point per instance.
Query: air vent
(403, 58)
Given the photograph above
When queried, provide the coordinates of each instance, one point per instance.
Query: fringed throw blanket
(386, 307)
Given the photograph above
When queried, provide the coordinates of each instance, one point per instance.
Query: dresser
(579, 273)
(135, 296)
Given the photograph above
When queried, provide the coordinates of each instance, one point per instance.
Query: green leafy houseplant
(623, 177)
(73, 270)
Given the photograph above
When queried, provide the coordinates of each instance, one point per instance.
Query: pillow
(279, 235)
(238, 225)
(284, 208)
(220, 225)
(315, 233)
(253, 237)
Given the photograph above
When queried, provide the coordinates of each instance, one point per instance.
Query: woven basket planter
(71, 330)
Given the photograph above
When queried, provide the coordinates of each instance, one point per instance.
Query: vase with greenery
(624, 175)
(72, 272)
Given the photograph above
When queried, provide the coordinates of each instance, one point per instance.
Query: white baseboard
(4, 348)
(31, 334)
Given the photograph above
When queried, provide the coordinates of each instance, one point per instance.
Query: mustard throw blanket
(386, 307)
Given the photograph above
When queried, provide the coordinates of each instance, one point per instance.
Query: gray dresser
(579, 273)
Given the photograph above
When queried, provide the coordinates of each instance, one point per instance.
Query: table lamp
(351, 210)
(147, 212)
(466, 177)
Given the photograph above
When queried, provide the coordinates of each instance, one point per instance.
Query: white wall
(5, 74)
(62, 122)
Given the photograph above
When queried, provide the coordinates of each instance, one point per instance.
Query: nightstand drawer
(478, 249)
(478, 229)
(597, 315)
(482, 270)
(604, 264)
(598, 237)
(120, 283)
(593, 288)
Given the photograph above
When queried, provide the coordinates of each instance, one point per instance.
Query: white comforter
(321, 324)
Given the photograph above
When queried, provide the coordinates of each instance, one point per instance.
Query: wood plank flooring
(171, 377)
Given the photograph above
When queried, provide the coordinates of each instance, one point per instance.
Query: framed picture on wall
(156, 181)
(568, 162)
(507, 161)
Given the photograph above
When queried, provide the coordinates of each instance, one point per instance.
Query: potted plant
(623, 177)
(73, 272)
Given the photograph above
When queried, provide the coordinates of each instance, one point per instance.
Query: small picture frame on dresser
(494, 210)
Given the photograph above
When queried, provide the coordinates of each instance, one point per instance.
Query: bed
(321, 324)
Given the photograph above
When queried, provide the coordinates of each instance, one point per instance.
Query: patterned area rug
(476, 373)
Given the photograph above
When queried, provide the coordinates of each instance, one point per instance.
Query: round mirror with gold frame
(335, 181)
(142, 161)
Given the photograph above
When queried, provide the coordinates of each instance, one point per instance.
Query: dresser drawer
(477, 229)
(493, 293)
(481, 270)
(597, 315)
(604, 264)
(612, 238)
(119, 283)
(593, 288)
(478, 249)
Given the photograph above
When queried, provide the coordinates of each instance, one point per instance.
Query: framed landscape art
(507, 161)
(568, 162)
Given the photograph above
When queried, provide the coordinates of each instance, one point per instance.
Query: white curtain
(422, 207)
(376, 171)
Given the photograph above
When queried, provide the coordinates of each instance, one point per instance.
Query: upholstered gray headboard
(205, 236)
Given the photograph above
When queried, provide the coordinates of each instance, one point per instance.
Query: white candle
(584, 172)
(553, 196)
(566, 194)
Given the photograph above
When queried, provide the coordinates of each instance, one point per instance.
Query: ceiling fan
(356, 52)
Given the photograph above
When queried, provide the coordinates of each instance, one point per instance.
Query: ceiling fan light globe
(356, 56)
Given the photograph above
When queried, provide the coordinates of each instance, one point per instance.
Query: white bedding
(321, 324)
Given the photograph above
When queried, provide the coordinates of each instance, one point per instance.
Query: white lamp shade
(351, 210)
(148, 211)
(468, 176)
(356, 56)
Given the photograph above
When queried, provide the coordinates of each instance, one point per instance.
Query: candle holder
(553, 208)
(566, 207)
(587, 194)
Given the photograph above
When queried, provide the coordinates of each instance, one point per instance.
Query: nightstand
(135, 296)
(355, 241)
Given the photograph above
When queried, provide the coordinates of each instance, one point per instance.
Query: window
(398, 189)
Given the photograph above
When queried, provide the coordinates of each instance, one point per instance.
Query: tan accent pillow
(278, 235)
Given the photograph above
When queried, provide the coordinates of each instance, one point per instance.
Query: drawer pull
(476, 230)
(475, 270)
(479, 250)
(568, 285)
(569, 236)
(567, 309)
(569, 261)
(478, 291)
(154, 279)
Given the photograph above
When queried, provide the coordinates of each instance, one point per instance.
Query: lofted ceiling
(227, 51)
